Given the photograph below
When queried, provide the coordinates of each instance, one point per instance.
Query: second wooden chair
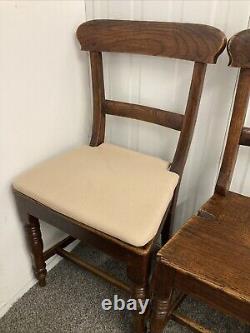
(209, 257)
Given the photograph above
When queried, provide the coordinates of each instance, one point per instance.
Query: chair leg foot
(36, 244)
(42, 282)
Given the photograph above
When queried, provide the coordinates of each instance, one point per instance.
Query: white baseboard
(50, 263)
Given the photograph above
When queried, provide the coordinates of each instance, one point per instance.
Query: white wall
(44, 110)
(45, 97)
(164, 83)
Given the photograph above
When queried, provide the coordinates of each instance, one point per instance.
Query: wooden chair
(209, 258)
(113, 198)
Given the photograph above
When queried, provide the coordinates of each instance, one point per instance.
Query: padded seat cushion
(120, 192)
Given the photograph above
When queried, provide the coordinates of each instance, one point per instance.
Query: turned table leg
(36, 244)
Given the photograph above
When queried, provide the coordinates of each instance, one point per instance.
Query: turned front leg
(36, 244)
(138, 273)
(140, 318)
(159, 313)
(162, 290)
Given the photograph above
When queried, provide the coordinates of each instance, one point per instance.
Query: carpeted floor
(71, 302)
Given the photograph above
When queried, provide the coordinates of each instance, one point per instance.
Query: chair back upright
(239, 54)
(201, 44)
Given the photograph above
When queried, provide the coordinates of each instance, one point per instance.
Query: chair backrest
(199, 43)
(239, 54)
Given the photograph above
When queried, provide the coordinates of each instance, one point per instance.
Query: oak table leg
(36, 244)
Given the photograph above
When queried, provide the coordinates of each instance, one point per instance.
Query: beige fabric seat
(112, 189)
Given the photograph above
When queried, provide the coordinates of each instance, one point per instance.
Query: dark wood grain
(232, 207)
(234, 133)
(209, 257)
(215, 253)
(36, 244)
(190, 117)
(138, 272)
(239, 49)
(213, 240)
(195, 42)
(145, 113)
(98, 128)
(185, 138)
(209, 260)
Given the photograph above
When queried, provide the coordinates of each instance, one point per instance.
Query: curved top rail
(195, 42)
(239, 49)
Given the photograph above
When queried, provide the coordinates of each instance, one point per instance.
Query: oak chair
(113, 198)
(209, 257)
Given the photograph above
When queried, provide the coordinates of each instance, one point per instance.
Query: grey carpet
(71, 302)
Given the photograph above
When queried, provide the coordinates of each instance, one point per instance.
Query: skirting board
(52, 262)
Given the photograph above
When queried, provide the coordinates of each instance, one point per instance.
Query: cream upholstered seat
(120, 192)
